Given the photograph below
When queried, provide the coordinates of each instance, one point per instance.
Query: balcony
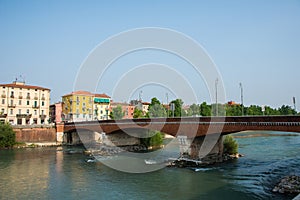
(23, 116)
(3, 115)
(20, 97)
(12, 96)
(3, 96)
(12, 105)
(35, 106)
(36, 98)
(43, 116)
(43, 98)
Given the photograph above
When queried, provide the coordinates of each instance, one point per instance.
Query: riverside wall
(35, 134)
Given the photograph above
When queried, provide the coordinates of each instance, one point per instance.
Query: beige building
(24, 104)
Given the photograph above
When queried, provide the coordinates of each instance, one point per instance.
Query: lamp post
(242, 99)
(216, 86)
(167, 96)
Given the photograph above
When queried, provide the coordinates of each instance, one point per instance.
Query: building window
(2, 110)
(20, 102)
(11, 102)
(27, 111)
(11, 111)
(20, 111)
(3, 101)
(42, 112)
(12, 94)
(35, 112)
(43, 103)
(27, 103)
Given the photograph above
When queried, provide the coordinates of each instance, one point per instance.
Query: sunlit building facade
(23, 104)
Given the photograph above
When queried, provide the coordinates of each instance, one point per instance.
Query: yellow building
(101, 106)
(24, 104)
(85, 106)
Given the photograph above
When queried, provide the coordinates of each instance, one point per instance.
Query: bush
(7, 136)
(155, 141)
(230, 145)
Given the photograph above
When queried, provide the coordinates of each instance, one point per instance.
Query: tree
(194, 110)
(230, 145)
(7, 136)
(271, 111)
(233, 110)
(254, 110)
(138, 113)
(156, 109)
(205, 110)
(155, 141)
(117, 113)
(286, 110)
(178, 107)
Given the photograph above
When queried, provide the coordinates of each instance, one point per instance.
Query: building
(85, 106)
(24, 104)
(101, 106)
(56, 115)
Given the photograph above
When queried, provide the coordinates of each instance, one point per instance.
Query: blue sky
(253, 42)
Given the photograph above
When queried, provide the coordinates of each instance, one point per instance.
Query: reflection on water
(64, 173)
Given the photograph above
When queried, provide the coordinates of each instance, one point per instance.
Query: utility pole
(242, 99)
(140, 96)
(294, 102)
(216, 85)
(167, 96)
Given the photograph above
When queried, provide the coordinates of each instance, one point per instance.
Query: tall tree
(205, 110)
(194, 110)
(117, 113)
(178, 107)
(156, 109)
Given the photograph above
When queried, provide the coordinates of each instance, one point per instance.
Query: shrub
(7, 136)
(230, 145)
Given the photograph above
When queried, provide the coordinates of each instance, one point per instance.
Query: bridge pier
(195, 149)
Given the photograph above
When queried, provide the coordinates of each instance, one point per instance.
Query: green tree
(205, 110)
(233, 110)
(117, 113)
(254, 110)
(7, 135)
(286, 110)
(155, 141)
(137, 113)
(230, 145)
(271, 111)
(178, 112)
(194, 110)
(156, 109)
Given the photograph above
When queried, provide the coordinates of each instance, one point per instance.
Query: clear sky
(254, 42)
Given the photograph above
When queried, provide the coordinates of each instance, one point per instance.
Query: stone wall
(32, 135)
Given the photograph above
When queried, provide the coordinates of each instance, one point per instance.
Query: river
(64, 173)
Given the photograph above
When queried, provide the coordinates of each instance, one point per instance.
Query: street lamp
(216, 85)
(167, 96)
(242, 100)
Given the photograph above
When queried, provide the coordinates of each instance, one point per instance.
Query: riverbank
(36, 144)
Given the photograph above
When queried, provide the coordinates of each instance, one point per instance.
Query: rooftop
(22, 85)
